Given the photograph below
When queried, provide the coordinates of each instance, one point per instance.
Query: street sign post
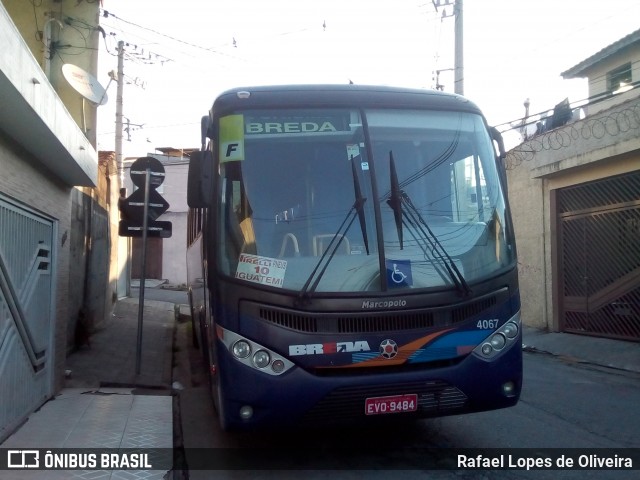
(135, 209)
(132, 207)
(138, 218)
(154, 229)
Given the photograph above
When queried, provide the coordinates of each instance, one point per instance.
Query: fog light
(261, 359)
(246, 412)
(510, 330)
(277, 366)
(241, 349)
(508, 388)
(487, 349)
(498, 341)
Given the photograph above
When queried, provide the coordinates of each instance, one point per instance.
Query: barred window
(619, 77)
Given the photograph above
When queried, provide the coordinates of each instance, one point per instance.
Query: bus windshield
(339, 200)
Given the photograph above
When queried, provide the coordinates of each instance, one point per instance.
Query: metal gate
(26, 306)
(599, 252)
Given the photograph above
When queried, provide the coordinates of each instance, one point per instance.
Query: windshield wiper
(395, 199)
(405, 213)
(359, 204)
(357, 209)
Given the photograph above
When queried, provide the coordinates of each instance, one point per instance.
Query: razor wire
(612, 124)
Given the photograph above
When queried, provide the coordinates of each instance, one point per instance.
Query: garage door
(26, 306)
(599, 226)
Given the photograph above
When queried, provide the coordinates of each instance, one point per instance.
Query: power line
(107, 14)
(154, 127)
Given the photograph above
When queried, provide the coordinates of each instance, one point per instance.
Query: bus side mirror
(496, 136)
(200, 180)
(501, 155)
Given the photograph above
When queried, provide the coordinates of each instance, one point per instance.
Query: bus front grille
(373, 322)
(331, 323)
(435, 398)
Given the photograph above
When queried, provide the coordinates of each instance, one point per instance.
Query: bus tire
(204, 347)
(194, 335)
(217, 394)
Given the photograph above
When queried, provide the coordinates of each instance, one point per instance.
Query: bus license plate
(391, 404)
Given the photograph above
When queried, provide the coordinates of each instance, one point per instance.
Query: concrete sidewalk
(111, 358)
(105, 403)
(604, 352)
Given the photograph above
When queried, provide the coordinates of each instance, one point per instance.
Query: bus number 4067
(487, 324)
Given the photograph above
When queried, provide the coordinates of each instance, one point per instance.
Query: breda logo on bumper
(331, 347)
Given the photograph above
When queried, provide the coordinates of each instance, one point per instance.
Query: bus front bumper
(252, 399)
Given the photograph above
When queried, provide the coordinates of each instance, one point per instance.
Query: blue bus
(351, 257)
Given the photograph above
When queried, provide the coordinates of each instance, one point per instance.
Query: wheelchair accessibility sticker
(399, 273)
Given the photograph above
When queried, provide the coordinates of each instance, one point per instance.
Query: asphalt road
(563, 405)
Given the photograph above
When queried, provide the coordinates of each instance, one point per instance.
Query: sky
(181, 55)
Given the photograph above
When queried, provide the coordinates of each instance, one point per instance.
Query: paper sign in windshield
(231, 138)
(263, 270)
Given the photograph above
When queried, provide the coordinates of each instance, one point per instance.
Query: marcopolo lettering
(289, 127)
(368, 304)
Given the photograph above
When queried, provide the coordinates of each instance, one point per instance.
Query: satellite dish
(85, 84)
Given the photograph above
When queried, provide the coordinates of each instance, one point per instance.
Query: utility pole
(459, 57)
(120, 80)
(124, 245)
(458, 52)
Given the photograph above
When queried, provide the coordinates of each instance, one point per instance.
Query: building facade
(54, 197)
(575, 196)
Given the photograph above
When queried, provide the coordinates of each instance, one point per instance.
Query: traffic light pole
(143, 266)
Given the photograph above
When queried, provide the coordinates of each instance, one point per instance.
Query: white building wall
(526, 198)
(174, 249)
(553, 160)
(598, 75)
(174, 191)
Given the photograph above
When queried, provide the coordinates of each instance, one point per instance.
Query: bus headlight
(241, 349)
(499, 340)
(487, 349)
(510, 330)
(261, 359)
(252, 354)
